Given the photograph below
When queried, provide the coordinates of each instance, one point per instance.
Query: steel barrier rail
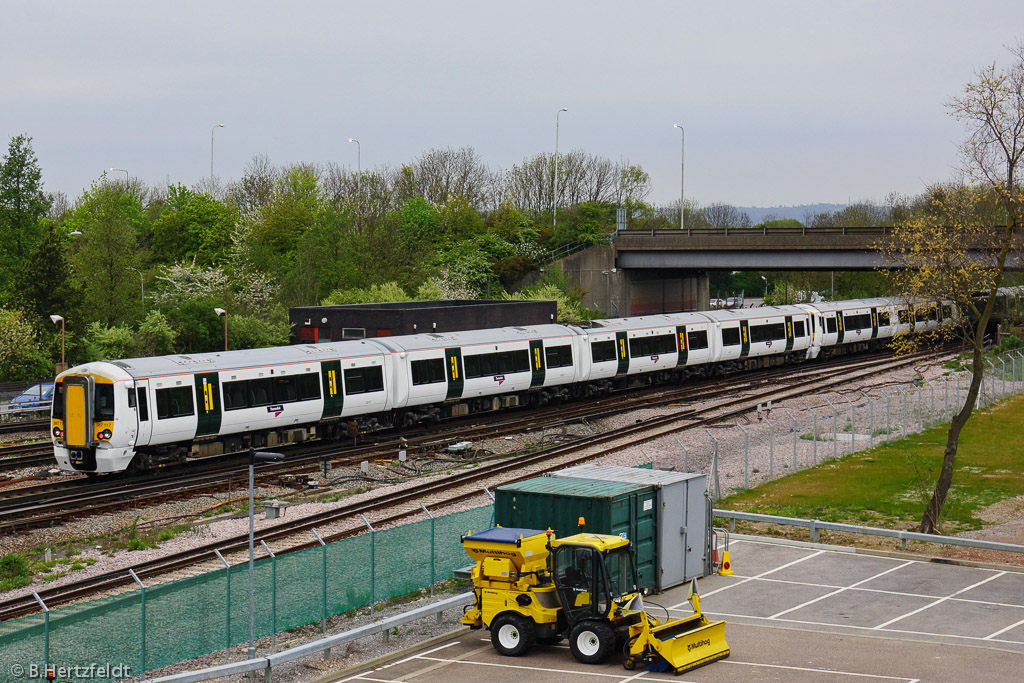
(817, 525)
(266, 664)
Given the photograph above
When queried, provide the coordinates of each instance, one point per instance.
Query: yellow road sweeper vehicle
(533, 588)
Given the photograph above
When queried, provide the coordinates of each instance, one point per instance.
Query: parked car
(37, 396)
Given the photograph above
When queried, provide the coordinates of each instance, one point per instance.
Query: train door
(145, 424)
(537, 363)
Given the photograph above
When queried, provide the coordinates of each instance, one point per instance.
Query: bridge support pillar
(619, 292)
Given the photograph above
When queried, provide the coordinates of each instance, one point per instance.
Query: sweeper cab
(533, 588)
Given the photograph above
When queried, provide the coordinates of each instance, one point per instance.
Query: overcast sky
(782, 102)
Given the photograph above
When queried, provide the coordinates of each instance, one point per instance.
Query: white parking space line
(867, 629)
(752, 578)
(939, 601)
(840, 590)
(362, 677)
(823, 672)
(1003, 630)
(527, 668)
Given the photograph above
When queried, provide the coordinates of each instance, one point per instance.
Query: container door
(696, 523)
(673, 535)
(145, 433)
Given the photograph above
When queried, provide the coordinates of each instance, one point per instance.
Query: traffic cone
(726, 568)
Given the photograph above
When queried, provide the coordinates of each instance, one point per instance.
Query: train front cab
(84, 427)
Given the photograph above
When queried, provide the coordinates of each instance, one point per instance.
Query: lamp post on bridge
(682, 168)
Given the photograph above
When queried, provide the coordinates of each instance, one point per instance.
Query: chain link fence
(110, 638)
(859, 420)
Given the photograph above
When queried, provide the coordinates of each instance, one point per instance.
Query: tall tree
(936, 250)
(22, 204)
(110, 222)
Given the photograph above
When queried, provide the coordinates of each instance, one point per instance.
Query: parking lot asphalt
(796, 612)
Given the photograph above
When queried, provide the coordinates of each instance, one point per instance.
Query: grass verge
(889, 485)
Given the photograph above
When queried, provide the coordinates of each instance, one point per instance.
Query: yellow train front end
(90, 434)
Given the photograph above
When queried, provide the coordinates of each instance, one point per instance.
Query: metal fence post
(746, 457)
(46, 630)
(771, 450)
(921, 411)
(227, 600)
(686, 457)
(796, 427)
(835, 430)
(273, 597)
(853, 424)
(373, 562)
(815, 435)
(931, 400)
(871, 423)
(142, 636)
(323, 549)
(714, 465)
(432, 546)
(888, 414)
(945, 395)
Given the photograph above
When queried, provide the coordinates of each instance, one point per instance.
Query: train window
(104, 403)
(57, 407)
(883, 319)
(174, 402)
(558, 356)
(830, 325)
(285, 390)
(235, 395)
(730, 336)
(429, 371)
(143, 405)
(364, 380)
(131, 398)
(947, 311)
(308, 386)
(858, 322)
(492, 364)
(652, 346)
(602, 351)
(697, 340)
(799, 329)
(904, 316)
(769, 332)
(921, 315)
(260, 391)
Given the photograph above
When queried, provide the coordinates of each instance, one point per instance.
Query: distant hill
(759, 214)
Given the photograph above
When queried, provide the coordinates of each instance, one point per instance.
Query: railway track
(42, 424)
(394, 506)
(53, 502)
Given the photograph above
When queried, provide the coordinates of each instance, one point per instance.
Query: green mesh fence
(111, 638)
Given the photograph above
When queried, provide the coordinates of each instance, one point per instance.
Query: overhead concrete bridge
(655, 271)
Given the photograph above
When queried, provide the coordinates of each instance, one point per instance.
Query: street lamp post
(554, 179)
(126, 178)
(221, 311)
(142, 284)
(765, 285)
(359, 162)
(215, 127)
(682, 168)
(264, 456)
(60, 319)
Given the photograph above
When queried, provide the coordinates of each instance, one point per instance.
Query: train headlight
(57, 433)
(104, 435)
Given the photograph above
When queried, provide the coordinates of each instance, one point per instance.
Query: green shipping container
(616, 508)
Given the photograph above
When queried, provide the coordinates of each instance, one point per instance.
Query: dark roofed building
(313, 324)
